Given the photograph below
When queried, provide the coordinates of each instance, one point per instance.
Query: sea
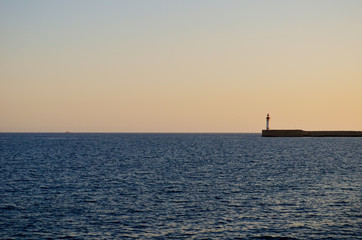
(179, 186)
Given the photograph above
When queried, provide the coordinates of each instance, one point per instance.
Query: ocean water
(179, 186)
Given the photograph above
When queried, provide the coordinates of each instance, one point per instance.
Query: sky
(180, 66)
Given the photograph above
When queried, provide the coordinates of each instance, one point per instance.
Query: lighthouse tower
(267, 121)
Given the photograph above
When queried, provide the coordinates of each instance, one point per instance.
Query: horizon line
(70, 132)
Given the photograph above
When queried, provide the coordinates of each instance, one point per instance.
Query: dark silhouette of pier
(301, 133)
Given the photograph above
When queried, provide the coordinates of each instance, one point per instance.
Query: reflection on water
(179, 186)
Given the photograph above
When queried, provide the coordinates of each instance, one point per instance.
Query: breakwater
(302, 133)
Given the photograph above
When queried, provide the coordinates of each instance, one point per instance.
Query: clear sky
(180, 66)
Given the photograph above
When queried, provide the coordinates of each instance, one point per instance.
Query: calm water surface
(179, 186)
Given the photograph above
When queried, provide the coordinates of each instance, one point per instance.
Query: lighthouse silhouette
(267, 121)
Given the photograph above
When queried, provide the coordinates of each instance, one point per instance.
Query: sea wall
(334, 133)
(301, 133)
(283, 133)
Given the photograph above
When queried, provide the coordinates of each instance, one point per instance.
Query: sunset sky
(180, 66)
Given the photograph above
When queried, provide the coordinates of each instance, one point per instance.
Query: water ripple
(179, 186)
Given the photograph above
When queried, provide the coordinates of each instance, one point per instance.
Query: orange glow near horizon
(156, 66)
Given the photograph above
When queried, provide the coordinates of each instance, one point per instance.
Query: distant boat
(67, 132)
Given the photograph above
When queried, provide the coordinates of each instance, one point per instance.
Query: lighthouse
(267, 121)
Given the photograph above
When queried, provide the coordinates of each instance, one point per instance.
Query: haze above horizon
(180, 66)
